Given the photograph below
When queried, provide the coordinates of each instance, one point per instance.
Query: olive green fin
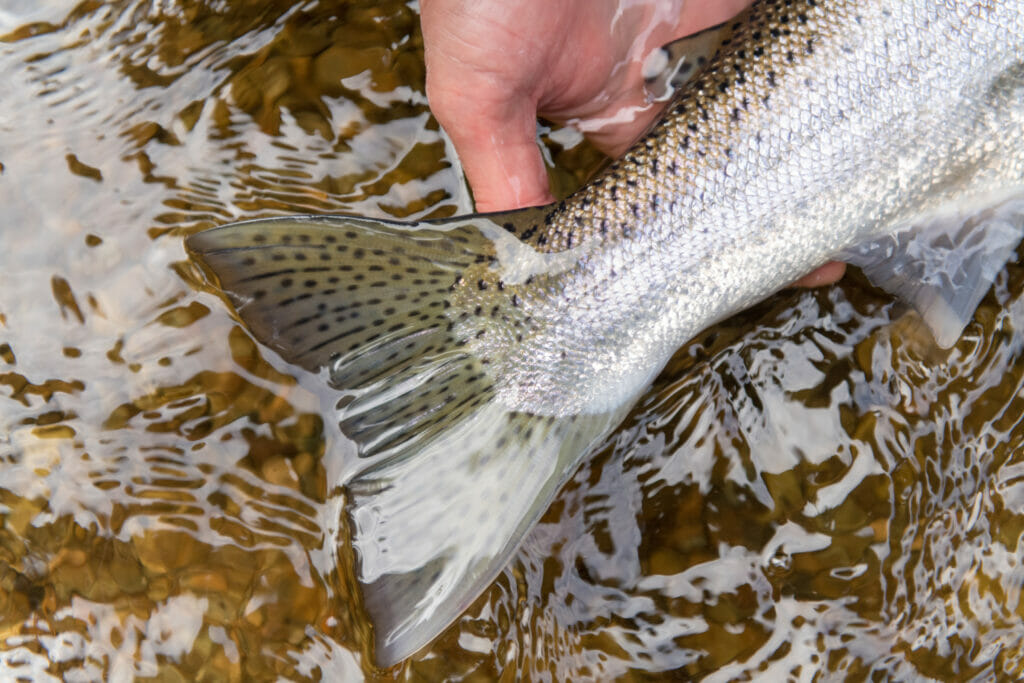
(412, 322)
(370, 304)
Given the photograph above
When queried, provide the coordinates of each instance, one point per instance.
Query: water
(802, 492)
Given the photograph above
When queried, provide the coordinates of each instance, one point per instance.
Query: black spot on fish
(259, 294)
(509, 227)
(286, 282)
(481, 285)
(250, 261)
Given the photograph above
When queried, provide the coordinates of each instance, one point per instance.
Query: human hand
(493, 66)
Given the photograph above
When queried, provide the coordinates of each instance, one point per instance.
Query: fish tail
(413, 322)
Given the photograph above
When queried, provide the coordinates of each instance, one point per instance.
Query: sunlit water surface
(800, 493)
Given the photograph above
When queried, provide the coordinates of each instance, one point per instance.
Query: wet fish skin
(851, 122)
(482, 357)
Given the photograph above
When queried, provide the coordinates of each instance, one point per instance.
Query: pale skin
(494, 66)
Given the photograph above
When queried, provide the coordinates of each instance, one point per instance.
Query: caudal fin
(413, 323)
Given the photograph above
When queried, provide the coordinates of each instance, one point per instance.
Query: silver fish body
(481, 358)
(861, 119)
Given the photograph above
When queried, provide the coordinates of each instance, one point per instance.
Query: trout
(481, 358)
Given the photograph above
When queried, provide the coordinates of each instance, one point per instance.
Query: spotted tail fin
(413, 323)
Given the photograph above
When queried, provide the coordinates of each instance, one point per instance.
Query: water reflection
(802, 490)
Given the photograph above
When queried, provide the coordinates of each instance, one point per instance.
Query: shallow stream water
(801, 494)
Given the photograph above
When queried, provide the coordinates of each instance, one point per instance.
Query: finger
(826, 275)
(501, 159)
(489, 116)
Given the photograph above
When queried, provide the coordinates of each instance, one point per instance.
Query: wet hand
(494, 66)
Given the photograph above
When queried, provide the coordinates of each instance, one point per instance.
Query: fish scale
(479, 359)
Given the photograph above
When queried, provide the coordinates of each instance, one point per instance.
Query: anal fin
(944, 265)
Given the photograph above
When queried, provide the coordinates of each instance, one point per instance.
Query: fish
(479, 359)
